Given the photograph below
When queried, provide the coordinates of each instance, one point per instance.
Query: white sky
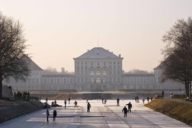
(59, 30)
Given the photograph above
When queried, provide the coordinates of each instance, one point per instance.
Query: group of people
(54, 114)
(127, 108)
(65, 102)
(104, 101)
(143, 99)
(148, 99)
(65, 105)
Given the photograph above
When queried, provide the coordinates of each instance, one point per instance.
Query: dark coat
(125, 110)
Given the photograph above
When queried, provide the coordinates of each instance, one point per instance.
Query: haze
(59, 30)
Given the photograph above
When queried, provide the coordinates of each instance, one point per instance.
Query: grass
(175, 108)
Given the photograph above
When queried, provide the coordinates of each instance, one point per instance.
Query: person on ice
(125, 110)
(88, 107)
(47, 114)
(118, 101)
(75, 103)
(129, 106)
(65, 103)
(54, 115)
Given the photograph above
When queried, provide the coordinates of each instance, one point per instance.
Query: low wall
(12, 109)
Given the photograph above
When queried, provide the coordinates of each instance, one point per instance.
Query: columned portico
(98, 70)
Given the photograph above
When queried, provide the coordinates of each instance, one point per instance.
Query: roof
(32, 65)
(98, 53)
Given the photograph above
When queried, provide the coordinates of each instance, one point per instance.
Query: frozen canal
(101, 116)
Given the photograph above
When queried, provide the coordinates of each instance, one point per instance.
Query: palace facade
(96, 70)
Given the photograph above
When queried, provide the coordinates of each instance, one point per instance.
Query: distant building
(96, 70)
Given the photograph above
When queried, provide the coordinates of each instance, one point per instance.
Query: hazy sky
(59, 30)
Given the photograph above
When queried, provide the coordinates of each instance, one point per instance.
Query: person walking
(47, 114)
(129, 106)
(88, 107)
(54, 115)
(125, 110)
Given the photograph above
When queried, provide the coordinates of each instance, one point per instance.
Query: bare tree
(177, 64)
(12, 55)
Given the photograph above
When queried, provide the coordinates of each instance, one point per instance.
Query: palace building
(96, 70)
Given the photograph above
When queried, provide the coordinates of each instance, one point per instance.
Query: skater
(148, 99)
(137, 99)
(162, 93)
(47, 113)
(125, 110)
(54, 115)
(75, 103)
(105, 101)
(46, 103)
(143, 100)
(69, 100)
(129, 106)
(65, 103)
(118, 101)
(88, 107)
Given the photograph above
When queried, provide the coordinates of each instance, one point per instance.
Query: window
(104, 80)
(77, 70)
(98, 73)
(92, 73)
(92, 80)
(104, 73)
(98, 80)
